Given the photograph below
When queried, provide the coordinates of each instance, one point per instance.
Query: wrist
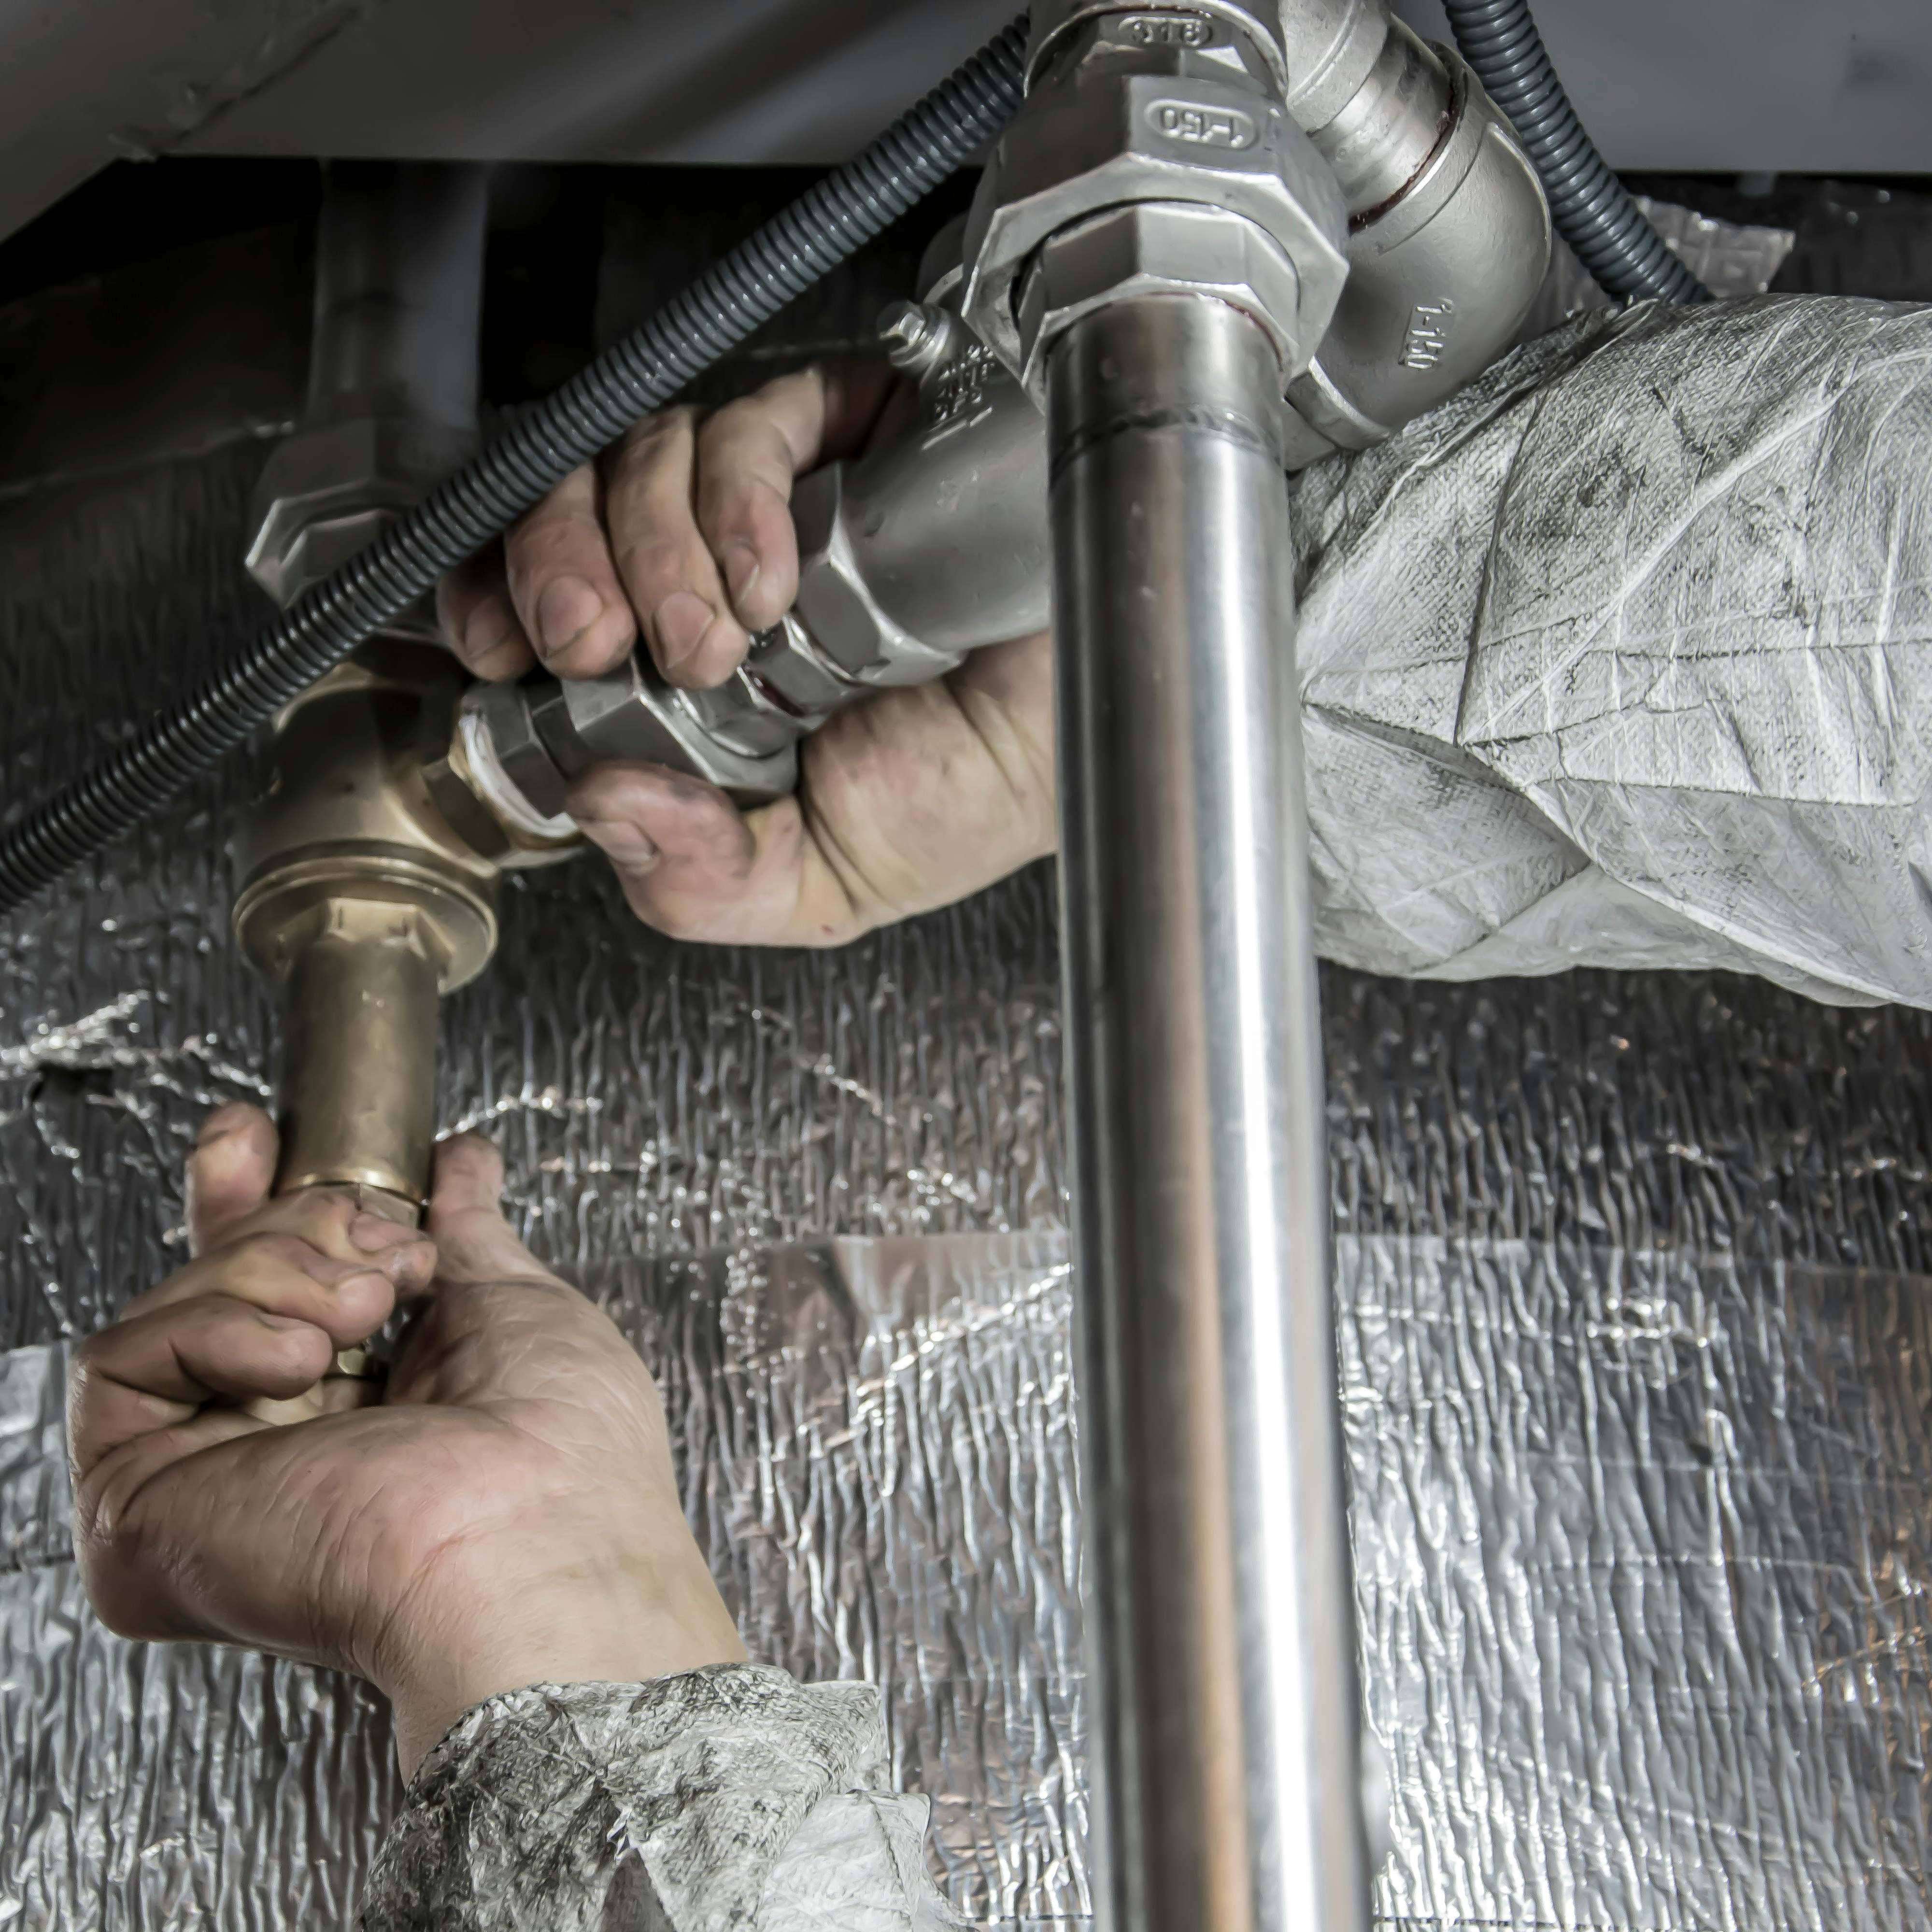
(597, 1623)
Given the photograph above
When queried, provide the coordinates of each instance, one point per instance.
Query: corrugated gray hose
(1593, 211)
(825, 226)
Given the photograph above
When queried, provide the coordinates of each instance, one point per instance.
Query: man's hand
(502, 1512)
(910, 800)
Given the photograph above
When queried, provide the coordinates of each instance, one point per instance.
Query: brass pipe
(359, 1028)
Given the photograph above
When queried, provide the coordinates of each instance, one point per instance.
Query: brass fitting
(362, 904)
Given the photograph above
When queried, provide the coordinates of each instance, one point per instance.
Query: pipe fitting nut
(857, 637)
(788, 668)
(631, 715)
(327, 490)
(503, 711)
(1102, 138)
(1161, 247)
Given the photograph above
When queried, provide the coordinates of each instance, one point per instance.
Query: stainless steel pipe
(1220, 1617)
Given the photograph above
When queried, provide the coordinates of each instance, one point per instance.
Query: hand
(909, 800)
(503, 1512)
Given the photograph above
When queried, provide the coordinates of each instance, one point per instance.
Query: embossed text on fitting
(1200, 126)
(1428, 333)
(1165, 30)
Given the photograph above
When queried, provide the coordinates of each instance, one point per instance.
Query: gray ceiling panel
(1725, 85)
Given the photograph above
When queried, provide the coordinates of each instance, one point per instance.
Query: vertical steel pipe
(398, 274)
(1220, 1616)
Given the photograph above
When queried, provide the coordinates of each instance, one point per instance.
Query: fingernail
(269, 1321)
(568, 608)
(373, 1233)
(681, 622)
(218, 1127)
(418, 1258)
(741, 570)
(622, 844)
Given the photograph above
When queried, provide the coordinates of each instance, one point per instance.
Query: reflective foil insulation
(1635, 1271)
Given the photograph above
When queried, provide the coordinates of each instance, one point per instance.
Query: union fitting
(1141, 134)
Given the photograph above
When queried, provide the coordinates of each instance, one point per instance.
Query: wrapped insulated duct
(1624, 658)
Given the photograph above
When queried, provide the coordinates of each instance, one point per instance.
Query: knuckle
(654, 566)
(553, 535)
(809, 385)
(84, 1364)
(264, 1250)
(656, 438)
(732, 498)
(747, 417)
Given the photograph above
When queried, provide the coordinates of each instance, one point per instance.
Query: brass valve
(369, 887)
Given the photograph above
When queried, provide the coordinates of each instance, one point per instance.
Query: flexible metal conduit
(1593, 211)
(824, 227)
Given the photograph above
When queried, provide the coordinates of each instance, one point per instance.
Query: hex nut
(1159, 247)
(1098, 139)
(630, 716)
(857, 637)
(786, 661)
(505, 711)
(745, 716)
(328, 489)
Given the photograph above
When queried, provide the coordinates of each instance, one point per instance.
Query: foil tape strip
(1641, 1541)
(1731, 260)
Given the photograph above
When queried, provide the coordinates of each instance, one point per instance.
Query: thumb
(473, 1241)
(692, 866)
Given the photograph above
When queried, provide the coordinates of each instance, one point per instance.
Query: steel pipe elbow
(1449, 237)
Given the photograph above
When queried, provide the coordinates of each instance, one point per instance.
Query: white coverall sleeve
(733, 1797)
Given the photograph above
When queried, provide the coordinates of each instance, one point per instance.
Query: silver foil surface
(1632, 1266)
(1732, 261)
(1638, 1536)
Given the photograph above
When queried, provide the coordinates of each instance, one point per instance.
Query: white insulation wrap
(1624, 658)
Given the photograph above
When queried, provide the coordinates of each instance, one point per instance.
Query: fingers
(260, 1316)
(564, 584)
(479, 620)
(910, 800)
(156, 1371)
(473, 1241)
(699, 513)
(747, 456)
(229, 1176)
(687, 537)
(284, 1274)
(672, 578)
(229, 1172)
